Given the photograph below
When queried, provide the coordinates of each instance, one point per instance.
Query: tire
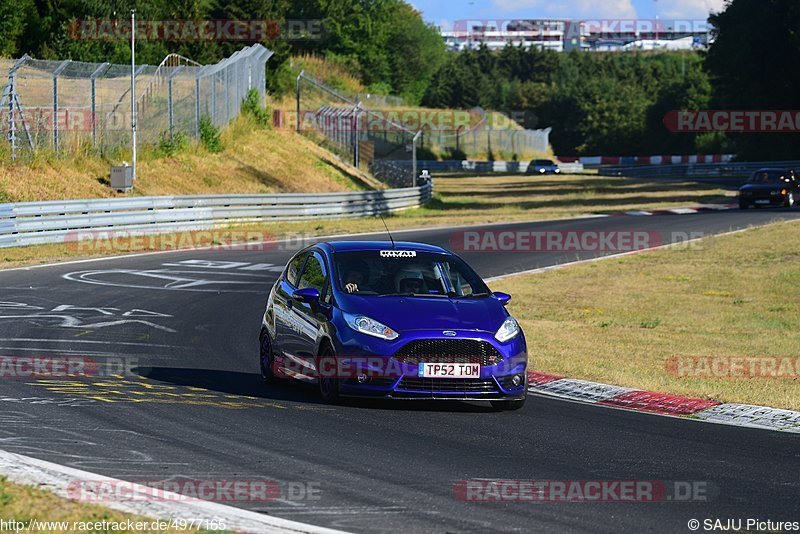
(791, 202)
(743, 205)
(328, 385)
(265, 359)
(508, 405)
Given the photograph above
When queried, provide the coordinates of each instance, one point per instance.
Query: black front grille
(448, 351)
(468, 385)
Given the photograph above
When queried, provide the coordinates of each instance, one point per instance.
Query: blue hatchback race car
(392, 320)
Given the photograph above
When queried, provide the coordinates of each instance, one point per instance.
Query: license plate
(762, 201)
(450, 370)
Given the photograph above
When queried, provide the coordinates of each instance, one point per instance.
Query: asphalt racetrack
(197, 408)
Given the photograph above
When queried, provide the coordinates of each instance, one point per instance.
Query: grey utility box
(122, 177)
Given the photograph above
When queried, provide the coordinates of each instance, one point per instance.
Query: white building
(566, 35)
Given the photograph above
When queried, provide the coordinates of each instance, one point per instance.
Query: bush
(209, 135)
(171, 145)
(251, 105)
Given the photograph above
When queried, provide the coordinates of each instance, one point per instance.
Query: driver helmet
(406, 276)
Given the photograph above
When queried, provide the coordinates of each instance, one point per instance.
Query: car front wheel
(791, 201)
(266, 358)
(328, 382)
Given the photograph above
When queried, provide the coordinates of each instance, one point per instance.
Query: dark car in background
(770, 187)
(543, 166)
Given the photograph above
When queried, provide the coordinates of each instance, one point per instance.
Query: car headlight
(508, 330)
(371, 327)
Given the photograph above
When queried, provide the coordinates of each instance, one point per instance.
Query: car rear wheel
(508, 405)
(266, 359)
(328, 382)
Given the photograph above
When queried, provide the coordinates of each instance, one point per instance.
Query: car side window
(314, 273)
(293, 270)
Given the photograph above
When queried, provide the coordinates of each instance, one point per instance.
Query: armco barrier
(30, 223)
(482, 166)
(697, 170)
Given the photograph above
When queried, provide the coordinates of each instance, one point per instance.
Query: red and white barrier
(647, 160)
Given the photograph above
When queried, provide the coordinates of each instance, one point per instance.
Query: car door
(282, 302)
(306, 316)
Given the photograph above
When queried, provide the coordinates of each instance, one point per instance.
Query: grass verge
(24, 504)
(620, 321)
(458, 201)
(253, 160)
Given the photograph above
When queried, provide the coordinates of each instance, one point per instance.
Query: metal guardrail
(484, 166)
(31, 223)
(696, 170)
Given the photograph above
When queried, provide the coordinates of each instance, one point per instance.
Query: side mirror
(502, 297)
(307, 294)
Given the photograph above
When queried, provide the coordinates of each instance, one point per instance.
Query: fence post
(93, 81)
(414, 158)
(297, 93)
(197, 105)
(56, 72)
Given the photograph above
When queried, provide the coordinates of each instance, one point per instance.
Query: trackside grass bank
(717, 320)
(457, 201)
(27, 509)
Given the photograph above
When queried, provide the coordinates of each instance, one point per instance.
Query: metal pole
(297, 91)
(55, 112)
(169, 108)
(355, 135)
(133, 90)
(414, 158)
(11, 124)
(94, 114)
(197, 108)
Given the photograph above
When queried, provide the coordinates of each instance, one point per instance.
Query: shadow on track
(251, 385)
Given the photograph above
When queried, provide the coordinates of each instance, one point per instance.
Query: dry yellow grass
(253, 161)
(620, 321)
(24, 504)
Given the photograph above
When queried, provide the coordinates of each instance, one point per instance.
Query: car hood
(425, 313)
(763, 187)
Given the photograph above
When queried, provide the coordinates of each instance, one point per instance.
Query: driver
(409, 281)
(355, 276)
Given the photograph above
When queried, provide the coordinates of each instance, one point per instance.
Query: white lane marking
(683, 211)
(87, 341)
(57, 478)
(173, 280)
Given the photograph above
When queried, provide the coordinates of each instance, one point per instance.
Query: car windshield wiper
(470, 296)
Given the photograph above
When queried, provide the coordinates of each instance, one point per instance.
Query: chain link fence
(66, 105)
(361, 136)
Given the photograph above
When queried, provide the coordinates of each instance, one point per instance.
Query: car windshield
(769, 177)
(543, 162)
(408, 273)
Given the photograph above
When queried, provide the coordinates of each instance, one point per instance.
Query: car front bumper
(375, 369)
